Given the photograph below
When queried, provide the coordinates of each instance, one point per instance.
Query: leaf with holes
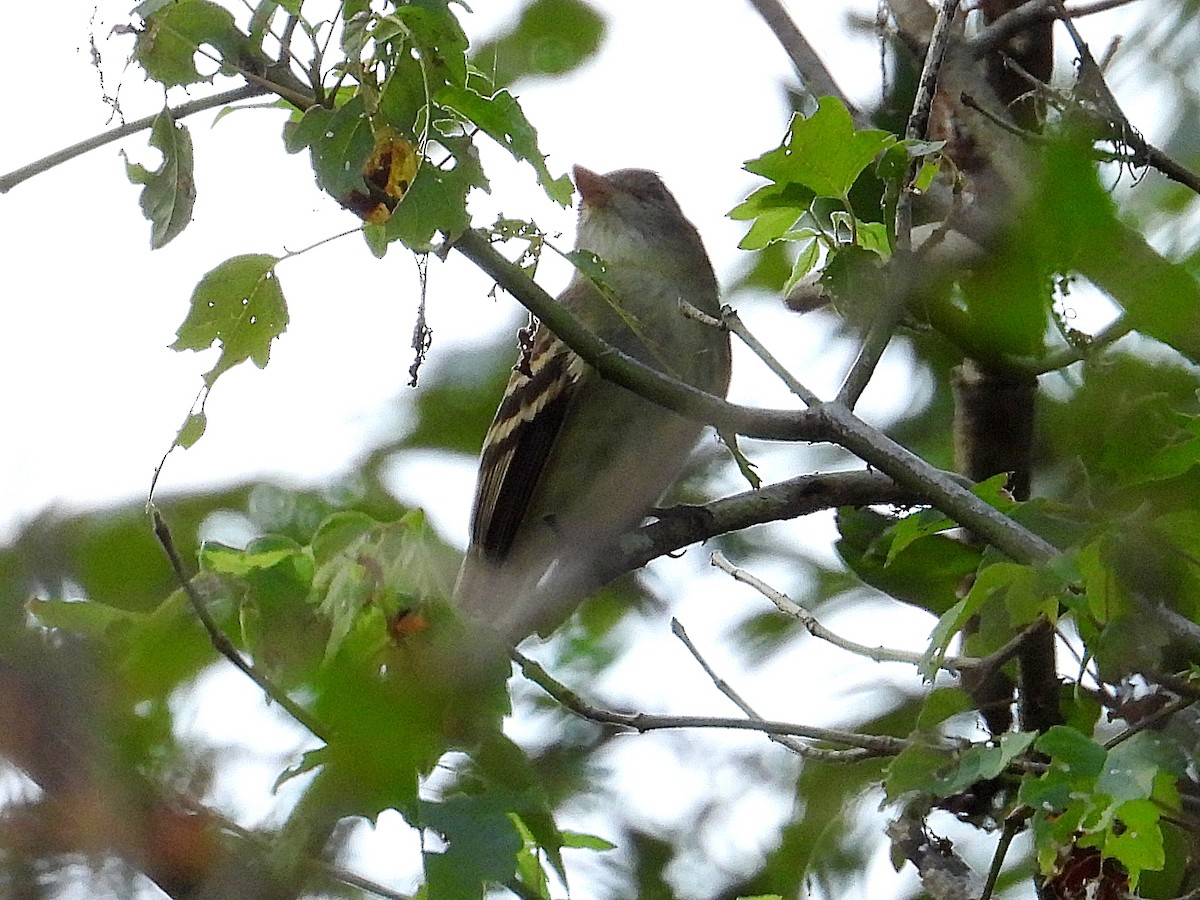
(175, 32)
(502, 118)
(168, 192)
(239, 305)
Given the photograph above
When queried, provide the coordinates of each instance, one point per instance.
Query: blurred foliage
(339, 599)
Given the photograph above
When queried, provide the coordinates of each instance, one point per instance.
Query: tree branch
(891, 305)
(643, 722)
(816, 753)
(1016, 20)
(909, 470)
(771, 424)
(679, 527)
(12, 179)
(221, 641)
(794, 610)
(733, 322)
(815, 76)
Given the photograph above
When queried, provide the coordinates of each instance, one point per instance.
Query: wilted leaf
(168, 192)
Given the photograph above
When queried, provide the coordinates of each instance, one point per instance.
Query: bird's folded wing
(520, 442)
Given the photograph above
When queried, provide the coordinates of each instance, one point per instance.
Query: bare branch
(891, 304)
(678, 527)
(918, 119)
(735, 324)
(643, 722)
(1091, 78)
(813, 73)
(794, 610)
(1156, 718)
(830, 756)
(1015, 20)
(12, 179)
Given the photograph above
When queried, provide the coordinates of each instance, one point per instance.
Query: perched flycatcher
(572, 461)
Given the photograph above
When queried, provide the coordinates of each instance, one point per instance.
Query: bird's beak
(595, 189)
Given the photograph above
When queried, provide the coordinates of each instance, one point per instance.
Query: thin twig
(1160, 715)
(812, 71)
(1062, 357)
(1009, 650)
(889, 310)
(334, 872)
(880, 745)
(1003, 122)
(994, 36)
(1092, 78)
(220, 640)
(12, 179)
(854, 754)
(1012, 826)
(734, 323)
(794, 610)
(918, 119)
(625, 369)
(904, 264)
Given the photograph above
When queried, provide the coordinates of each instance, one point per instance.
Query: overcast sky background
(91, 397)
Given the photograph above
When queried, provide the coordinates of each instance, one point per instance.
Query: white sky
(90, 396)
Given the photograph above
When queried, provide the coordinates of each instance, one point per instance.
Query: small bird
(571, 461)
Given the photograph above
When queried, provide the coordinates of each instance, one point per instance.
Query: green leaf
(823, 152)
(502, 119)
(1072, 752)
(80, 616)
(1138, 843)
(873, 236)
(169, 192)
(174, 31)
(774, 208)
(1132, 766)
(391, 568)
(191, 430)
(982, 762)
(920, 524)
(225, 560)
(340, 142)
(579, 841)
(915, 768)
(437, 201)
(941, 704)
(551, 37)
(929, 573)
(239, 305)
(809, 254)
(439, 39)
(995, 579)
(483, 845)
(338, 532)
